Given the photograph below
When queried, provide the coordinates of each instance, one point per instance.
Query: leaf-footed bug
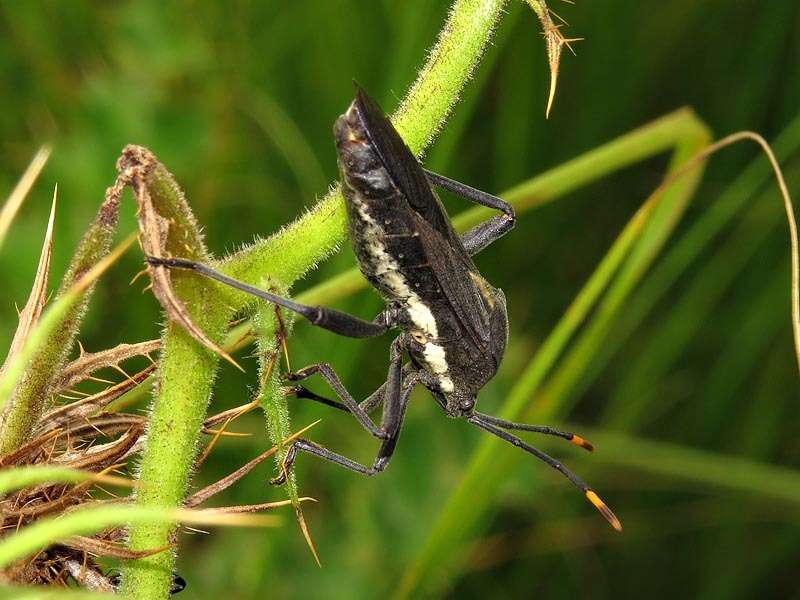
(453, 323)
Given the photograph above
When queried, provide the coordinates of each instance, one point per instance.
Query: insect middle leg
(483, 234)
(348, 403)
(368, 405)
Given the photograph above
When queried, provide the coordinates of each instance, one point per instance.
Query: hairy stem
(290, 253)
(187, 370)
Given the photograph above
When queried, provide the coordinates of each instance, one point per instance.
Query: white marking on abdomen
(421, 316)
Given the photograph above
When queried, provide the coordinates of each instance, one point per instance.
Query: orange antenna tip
(604, 510)
(579, 441)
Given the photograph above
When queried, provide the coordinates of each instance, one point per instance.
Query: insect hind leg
(368, 405)
(320, 452)
(348, 403)
(470, 193)
(483, 234)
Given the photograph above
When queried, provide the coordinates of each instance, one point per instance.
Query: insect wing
(455, 279)
(403, 168)
(446, 254)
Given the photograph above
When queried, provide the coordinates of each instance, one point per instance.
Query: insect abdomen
(380, 220)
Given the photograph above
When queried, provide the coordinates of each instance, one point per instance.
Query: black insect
(453, 323)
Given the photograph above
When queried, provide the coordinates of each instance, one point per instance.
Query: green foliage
(92, 519)
(18, 478)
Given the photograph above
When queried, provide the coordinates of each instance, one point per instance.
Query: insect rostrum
(453, 324)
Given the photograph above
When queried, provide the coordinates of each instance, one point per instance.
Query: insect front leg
(395, 402)
(391, 391)
(347, 403)
(327, 318)
(368, 405)
(483, 234)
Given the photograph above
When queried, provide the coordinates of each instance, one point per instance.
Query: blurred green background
(238, 100)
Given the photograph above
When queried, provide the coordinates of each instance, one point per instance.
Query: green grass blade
(734, 473)
(20, 191)
(89, 520)
(580, 366)
(49, 593)
(29, 475)
(626, 262)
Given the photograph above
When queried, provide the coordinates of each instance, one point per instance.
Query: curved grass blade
(625, 404)
(20, 192)
(618, 272)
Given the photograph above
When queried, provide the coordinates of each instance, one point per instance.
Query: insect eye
(419, 337)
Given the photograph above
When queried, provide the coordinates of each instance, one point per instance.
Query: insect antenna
(480, 421)
(543, 429)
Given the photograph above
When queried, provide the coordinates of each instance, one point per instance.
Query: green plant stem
(187, 371)
(185, 380)
(271, 396)
(186, 377)
(290, 253)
